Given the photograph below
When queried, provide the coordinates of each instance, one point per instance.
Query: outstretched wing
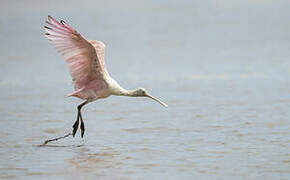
(84, 61)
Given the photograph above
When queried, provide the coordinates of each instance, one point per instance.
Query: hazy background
(222, 66)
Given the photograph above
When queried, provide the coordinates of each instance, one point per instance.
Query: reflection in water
(94, 164)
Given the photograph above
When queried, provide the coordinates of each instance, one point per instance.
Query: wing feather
(85, 59)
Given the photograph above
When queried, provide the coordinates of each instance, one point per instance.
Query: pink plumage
(85, 59)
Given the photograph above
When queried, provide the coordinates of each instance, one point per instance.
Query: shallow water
(222, 67)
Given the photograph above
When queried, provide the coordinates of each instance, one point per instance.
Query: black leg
(81, 119)
(76, 125)
(82, 126)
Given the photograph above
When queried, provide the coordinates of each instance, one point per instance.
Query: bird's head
(141, 92)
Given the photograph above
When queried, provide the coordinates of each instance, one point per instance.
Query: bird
(85, 60)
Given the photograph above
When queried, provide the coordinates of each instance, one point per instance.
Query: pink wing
(85, 59)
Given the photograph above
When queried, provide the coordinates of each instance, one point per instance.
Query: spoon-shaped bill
(156, 99)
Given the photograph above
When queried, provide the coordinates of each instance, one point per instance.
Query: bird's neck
(117, 90)
(125, 92)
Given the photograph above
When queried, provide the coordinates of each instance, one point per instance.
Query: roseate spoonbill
(85, 59)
